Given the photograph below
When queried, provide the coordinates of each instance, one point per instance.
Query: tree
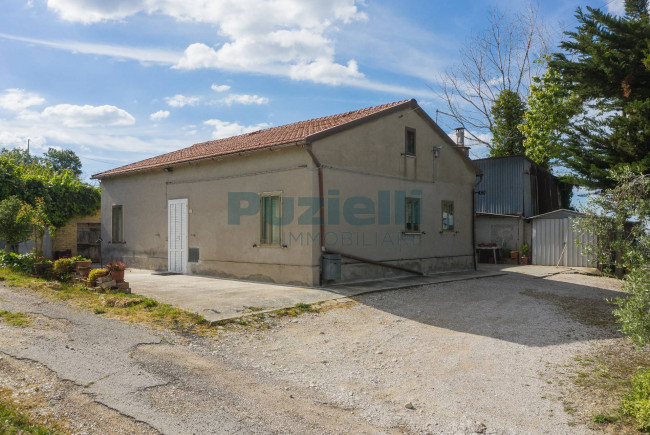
(15, 226)
(20, 156)
(619, 220)
(604, 64)
(507, 112)
(65, 196)
(502, 58)
(39, 223)
(551, 105)
(63, 159)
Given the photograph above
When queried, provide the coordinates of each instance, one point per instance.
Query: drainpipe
(321, 200)
(474, 193)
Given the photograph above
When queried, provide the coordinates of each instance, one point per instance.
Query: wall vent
(193, 255)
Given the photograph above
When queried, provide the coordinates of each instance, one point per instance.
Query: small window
(410, 142)
(447, 215)
(117, 224)
(412, 215)
(271, 215)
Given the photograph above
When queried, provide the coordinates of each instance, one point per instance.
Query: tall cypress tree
(606, 64)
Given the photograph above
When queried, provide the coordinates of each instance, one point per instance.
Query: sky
(123, 80)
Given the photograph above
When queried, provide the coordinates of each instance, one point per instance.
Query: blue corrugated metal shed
(501, 186)
(514, 185)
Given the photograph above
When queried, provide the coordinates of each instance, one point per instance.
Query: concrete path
(218, 298)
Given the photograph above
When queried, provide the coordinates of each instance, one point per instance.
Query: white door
(177, 235)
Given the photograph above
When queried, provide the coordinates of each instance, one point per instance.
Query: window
(117, 223)
(412, 215)
(270, 214)
(410, 142)
(447, 215)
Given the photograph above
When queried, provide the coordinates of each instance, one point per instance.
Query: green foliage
(619, 220)
(15, 226)
(565, 186)
(633, 313)
(13, 422)
(21, 263)
(60, 160)
(507, 112)
(545, 124)
(64, 269)
(605, 66)
(637, 402)
(524, 249)
(38, 221)
(64, 195)
(96, 273)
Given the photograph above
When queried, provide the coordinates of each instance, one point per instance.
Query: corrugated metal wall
(554, 241)
(503, 186)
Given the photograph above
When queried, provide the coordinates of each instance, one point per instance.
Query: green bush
(64, 269)
(636, 402)
(21, 262)
(96, 273)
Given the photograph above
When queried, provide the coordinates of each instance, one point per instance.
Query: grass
(14, 422)
(127, 307)
(140, 309)
(601, 383)
(15, 319)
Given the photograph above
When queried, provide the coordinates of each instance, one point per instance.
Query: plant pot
(117, 275)
(524, 260)
(514, 254)
(83, 264)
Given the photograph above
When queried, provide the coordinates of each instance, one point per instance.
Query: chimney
(460, 140)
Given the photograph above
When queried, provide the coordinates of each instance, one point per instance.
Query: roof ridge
(255, 140)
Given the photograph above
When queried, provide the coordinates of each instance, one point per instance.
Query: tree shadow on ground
(520, 309)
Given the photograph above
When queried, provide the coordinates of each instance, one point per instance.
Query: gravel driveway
(462, 357)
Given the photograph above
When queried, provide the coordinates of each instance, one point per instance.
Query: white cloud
(244, 99)
(146, 55)
(616, 7)
(161, 114)
(17, 100)
(179, 100)
(220, 88)
(224, 129)
(283, 37)
(325, 71)
(71, 115)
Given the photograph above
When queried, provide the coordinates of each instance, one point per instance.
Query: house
(396, 195)
(512, 190)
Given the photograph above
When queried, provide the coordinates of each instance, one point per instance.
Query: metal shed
(554, 243)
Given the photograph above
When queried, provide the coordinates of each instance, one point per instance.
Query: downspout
(474, 193)
(321, 200)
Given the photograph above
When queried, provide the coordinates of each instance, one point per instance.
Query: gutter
(321, 200)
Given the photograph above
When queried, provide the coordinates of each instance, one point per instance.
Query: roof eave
(100, 175)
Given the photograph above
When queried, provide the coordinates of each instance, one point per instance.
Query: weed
(13, 421)
(636, 402)
(99, 311)
(15, 319)
(604, 418)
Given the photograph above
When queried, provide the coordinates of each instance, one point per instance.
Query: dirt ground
(476, 356)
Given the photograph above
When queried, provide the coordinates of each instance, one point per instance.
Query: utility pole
(27, 146)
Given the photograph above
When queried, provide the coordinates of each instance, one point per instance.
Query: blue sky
(123, 80)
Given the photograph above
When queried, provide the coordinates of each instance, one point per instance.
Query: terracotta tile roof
(257, 140)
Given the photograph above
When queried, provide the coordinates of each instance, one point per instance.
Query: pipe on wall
(321, 200)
